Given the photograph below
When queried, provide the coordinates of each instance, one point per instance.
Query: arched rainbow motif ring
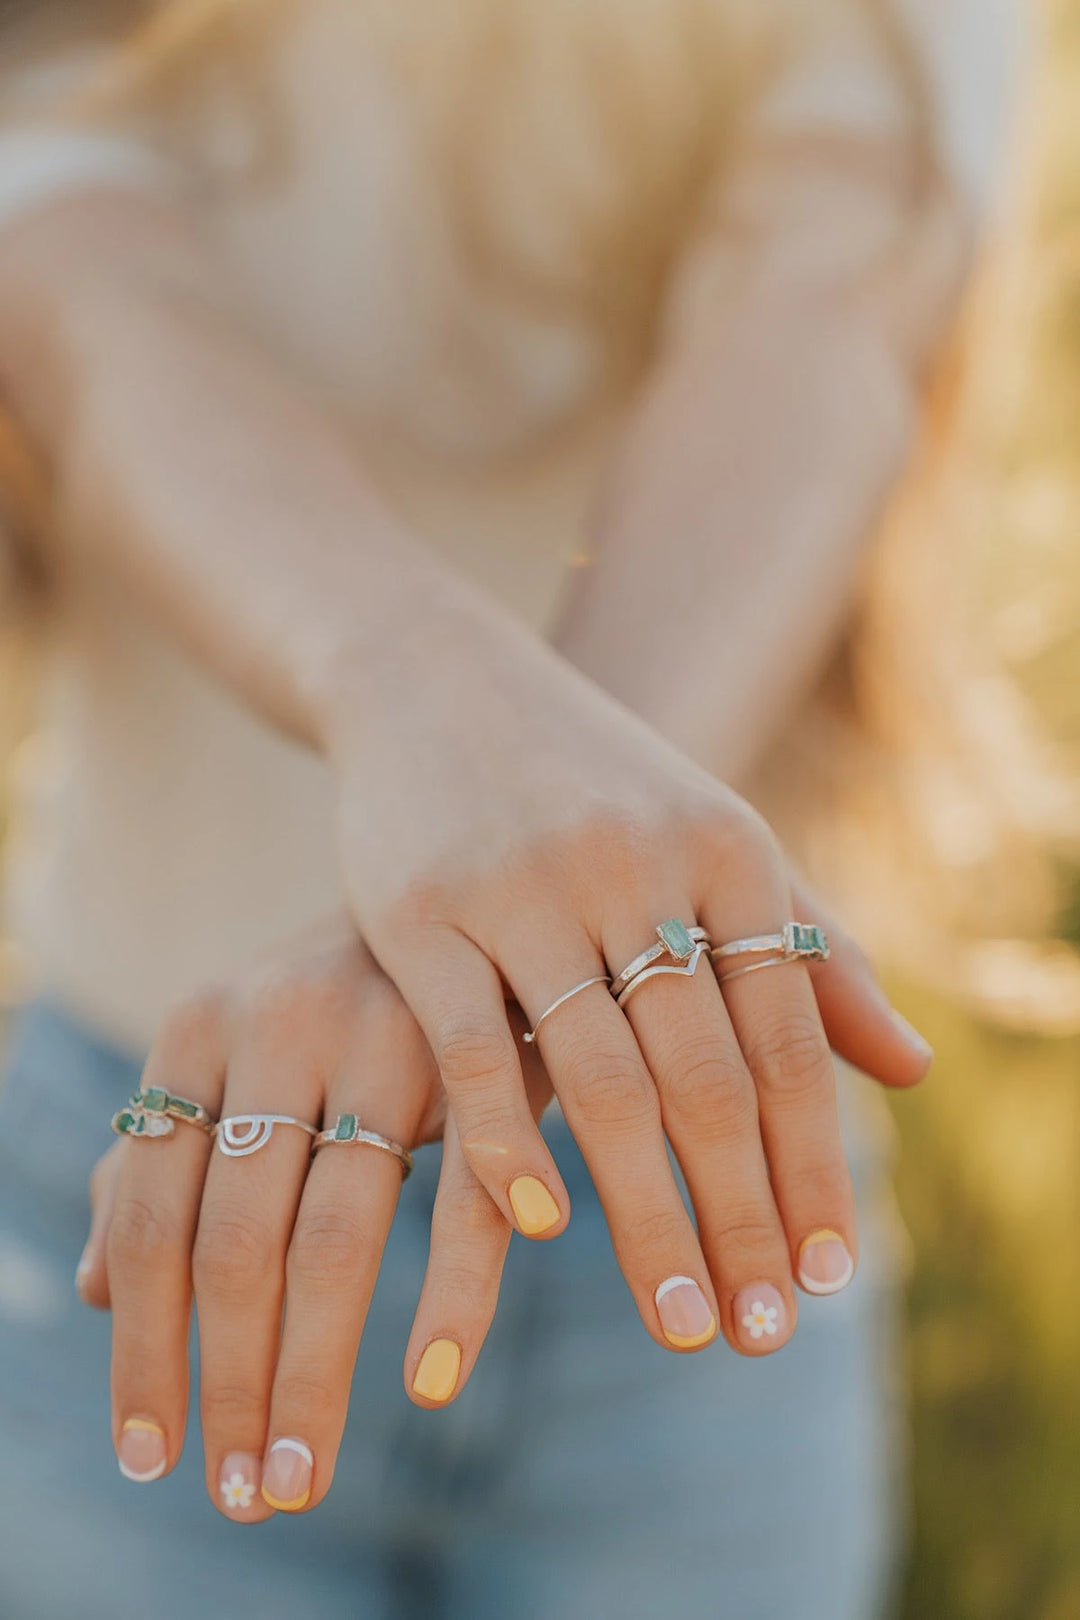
(347, 1129)
(153, 1112)
(243, 1134)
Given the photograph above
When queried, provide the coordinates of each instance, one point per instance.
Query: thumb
(91, 1278)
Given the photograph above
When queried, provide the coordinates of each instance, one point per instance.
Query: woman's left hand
(316, 1032)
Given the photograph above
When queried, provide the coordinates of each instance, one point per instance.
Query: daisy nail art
(761, 1318)
(239, 1482)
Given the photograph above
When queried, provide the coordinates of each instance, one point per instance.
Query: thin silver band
(755, 967)
(680, 970)
(646, 958)
(600, 978)
(243, 1134)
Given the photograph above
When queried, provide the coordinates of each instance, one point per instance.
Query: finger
(709, 1107)
(336, 1249)
(612, 1108)
(775, 1016)
(457, 997)
(859, 1020)
(148, 1250)
(245, 1223)
(469, 1240)
(91, 1275)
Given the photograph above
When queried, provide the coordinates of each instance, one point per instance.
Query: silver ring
(681, 971)
(600, 978)
(676, 941)
(347, 1128)
(153, 1111)
(754, 967)
(244, 1134)
(794, 939)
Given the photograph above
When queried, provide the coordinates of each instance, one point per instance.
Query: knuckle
(327, 1250)
(231, 1254)
(286, 1006)
(231, 1406)
(462, 1282)
(306, 1390)
(708, 1091)
(658, 1230)
(470, 1054)
(745, 1236)
(608, 1089)
(789, 1055)
(142, 1235)
(820, 1187)
(193, 1031)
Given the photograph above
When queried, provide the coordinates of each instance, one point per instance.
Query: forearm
(187, 463)
(734, 517)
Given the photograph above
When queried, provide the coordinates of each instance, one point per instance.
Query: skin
(527, 826)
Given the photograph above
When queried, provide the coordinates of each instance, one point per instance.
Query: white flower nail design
(237, 1492)
(761, 1319)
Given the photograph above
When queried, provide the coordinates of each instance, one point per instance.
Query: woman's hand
(314, 1033)
(506, 823)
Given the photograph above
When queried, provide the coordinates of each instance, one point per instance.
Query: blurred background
(989, 1176)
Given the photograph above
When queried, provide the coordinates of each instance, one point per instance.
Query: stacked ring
(347, 1129)
(796, 942)
(685, 946)
(153, 1111)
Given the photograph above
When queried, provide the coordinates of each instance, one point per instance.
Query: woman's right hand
(504, 823)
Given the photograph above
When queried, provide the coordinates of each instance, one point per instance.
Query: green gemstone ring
(347, 1129)
(153, 1111)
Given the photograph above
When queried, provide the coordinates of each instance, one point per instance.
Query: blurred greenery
(989, 1178)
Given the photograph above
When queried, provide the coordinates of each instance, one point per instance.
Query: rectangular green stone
(186, 1110)
(346, 1128)
(155, 1100)
(676, 937)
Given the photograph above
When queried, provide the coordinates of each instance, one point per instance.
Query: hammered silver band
(347, 1130)
(680, 970)
(675, 940)
(599, 978)
(805, 940)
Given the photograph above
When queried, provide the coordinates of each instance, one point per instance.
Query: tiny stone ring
(347, 1129)
(153, 1112)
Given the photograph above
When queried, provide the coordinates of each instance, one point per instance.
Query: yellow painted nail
(437, 1375)
(286, 1481)
(534, 1208)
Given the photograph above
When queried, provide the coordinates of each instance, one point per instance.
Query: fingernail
(761, 1317)
(825, 1266)
(82, 1270)
(239, 1482)
(286, 1481)
(141, 1452)
(437, 1375)
(912, 1037)
(534, 1208)
(684, 1313)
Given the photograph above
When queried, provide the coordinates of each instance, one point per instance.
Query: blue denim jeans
(585, 1473)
